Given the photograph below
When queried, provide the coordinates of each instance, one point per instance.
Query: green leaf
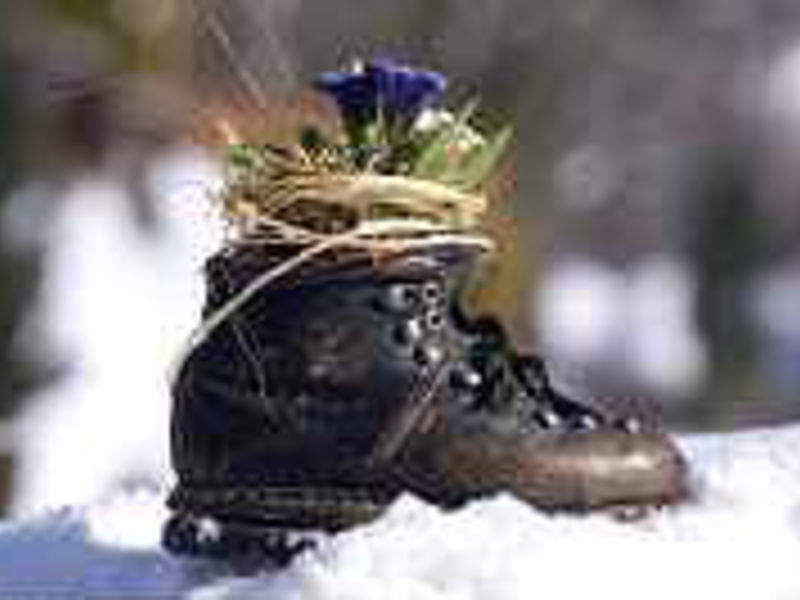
(434, 158)
(478, 164)
(242, 156)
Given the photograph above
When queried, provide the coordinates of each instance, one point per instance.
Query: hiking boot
(355, 378)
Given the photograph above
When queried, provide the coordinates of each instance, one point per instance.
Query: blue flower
(354, 93)
(404, 91)
(395, 91)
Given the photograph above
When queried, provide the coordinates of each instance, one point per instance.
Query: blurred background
(649, 218)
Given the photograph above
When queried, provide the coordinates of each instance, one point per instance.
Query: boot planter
(334, 368)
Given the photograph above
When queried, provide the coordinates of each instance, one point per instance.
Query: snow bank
(740, 539)
(117, 306)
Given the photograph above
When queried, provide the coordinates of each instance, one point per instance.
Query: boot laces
(519, 386)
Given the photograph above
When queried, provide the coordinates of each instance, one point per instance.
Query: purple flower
(395, 91)
(354, 93)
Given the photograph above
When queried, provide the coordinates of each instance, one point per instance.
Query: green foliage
(436, 155)
(477, 165)
(457, 155)
(243, 156)
(447, 151)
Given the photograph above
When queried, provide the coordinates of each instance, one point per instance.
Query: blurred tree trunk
(727, 251)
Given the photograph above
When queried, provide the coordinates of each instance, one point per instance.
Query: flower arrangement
(398, 158)
(403, 172)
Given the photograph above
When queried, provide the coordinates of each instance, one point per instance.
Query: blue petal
(396, 90)
(353, 92)
(404, 91)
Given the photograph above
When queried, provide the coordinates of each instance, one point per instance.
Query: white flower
(432, 120)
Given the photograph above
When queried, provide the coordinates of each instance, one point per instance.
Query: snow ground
(740, 539)
(97, 444)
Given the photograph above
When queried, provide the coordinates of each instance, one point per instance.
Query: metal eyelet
(434, 320)
(632, 425)
(408, 333)
(464, 377)
(432, 291)
(398, 297)
(428, 355)
(548, 418)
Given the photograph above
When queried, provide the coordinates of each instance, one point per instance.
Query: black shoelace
(519, 385)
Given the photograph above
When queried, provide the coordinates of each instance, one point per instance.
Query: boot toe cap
(571, 470)
(593, 469)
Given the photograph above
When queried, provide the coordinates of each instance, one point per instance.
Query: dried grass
(290, 200)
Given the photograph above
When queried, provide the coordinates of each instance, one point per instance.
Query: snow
(738, 539)
(88, 514)
(118, 304)
(638, 318)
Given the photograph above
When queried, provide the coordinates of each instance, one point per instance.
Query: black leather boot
(355, 378)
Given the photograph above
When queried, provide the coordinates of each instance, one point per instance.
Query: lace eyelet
(408, 333)
(548, 419)
(432, 291)
(464, 377)
(434, 320)
(398, 298)
(428, 355)
(632, 425)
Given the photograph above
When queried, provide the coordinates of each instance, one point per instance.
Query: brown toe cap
(576, 470)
